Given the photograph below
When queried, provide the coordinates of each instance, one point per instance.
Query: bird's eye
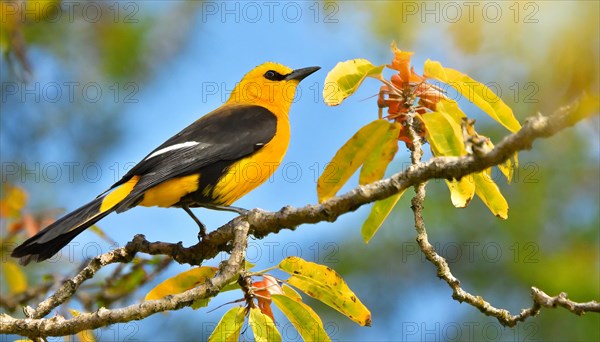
(273, 75)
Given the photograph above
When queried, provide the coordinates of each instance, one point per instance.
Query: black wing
(225, 134)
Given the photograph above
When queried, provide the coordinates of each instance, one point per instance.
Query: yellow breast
(250, 172)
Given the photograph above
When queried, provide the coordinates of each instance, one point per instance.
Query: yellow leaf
(305, 320)
(476, 92)
(379, 212)
(508, 167)
(588, 105)
(13, 201)
(14, 277)
(351, 156)
(343, 80)
(446, 139)
(74, 313)
(469, 134)
(182, 282)
(326, 285)
(263, 327)
(461, 191)
(444, 134)
(380, 157)
(86, 336)
(229, 327)
(451, 108)
(82, 336)
(490, 194)
(290, 292)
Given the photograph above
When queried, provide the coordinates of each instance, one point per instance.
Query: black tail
(51, 239)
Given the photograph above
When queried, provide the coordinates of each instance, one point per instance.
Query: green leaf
(200, 303)
(490, 194)
(351, 156)
(343, 80)
(182, 282)
(476, 92)
(129, 282)
(379, 212)
(326, 285)
(263, 327)
(229, 327)
(101, 233)
(248, 265)
(14, 277)
(231, 286)
(380, 157)
(300, 316)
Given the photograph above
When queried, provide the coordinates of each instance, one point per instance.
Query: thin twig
(443, 270)
(69, 287)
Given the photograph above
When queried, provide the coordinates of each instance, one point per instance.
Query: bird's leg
(238, 210)
(202, 232)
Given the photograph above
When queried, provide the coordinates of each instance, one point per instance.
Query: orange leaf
(31, 225)
(263, 289)
(401, 62)
(265, 307)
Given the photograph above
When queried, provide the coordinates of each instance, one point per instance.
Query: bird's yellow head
(270, 85)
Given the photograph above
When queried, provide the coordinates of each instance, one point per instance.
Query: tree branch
(263, 223)
(69, 287)
(233, 237)
(542, 299)
(59, 326)
(106, 293)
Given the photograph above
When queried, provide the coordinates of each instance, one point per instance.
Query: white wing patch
(172, 148)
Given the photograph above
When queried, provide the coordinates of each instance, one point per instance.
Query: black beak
(300, 74)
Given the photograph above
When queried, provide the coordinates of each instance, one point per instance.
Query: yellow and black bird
(204, 165)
